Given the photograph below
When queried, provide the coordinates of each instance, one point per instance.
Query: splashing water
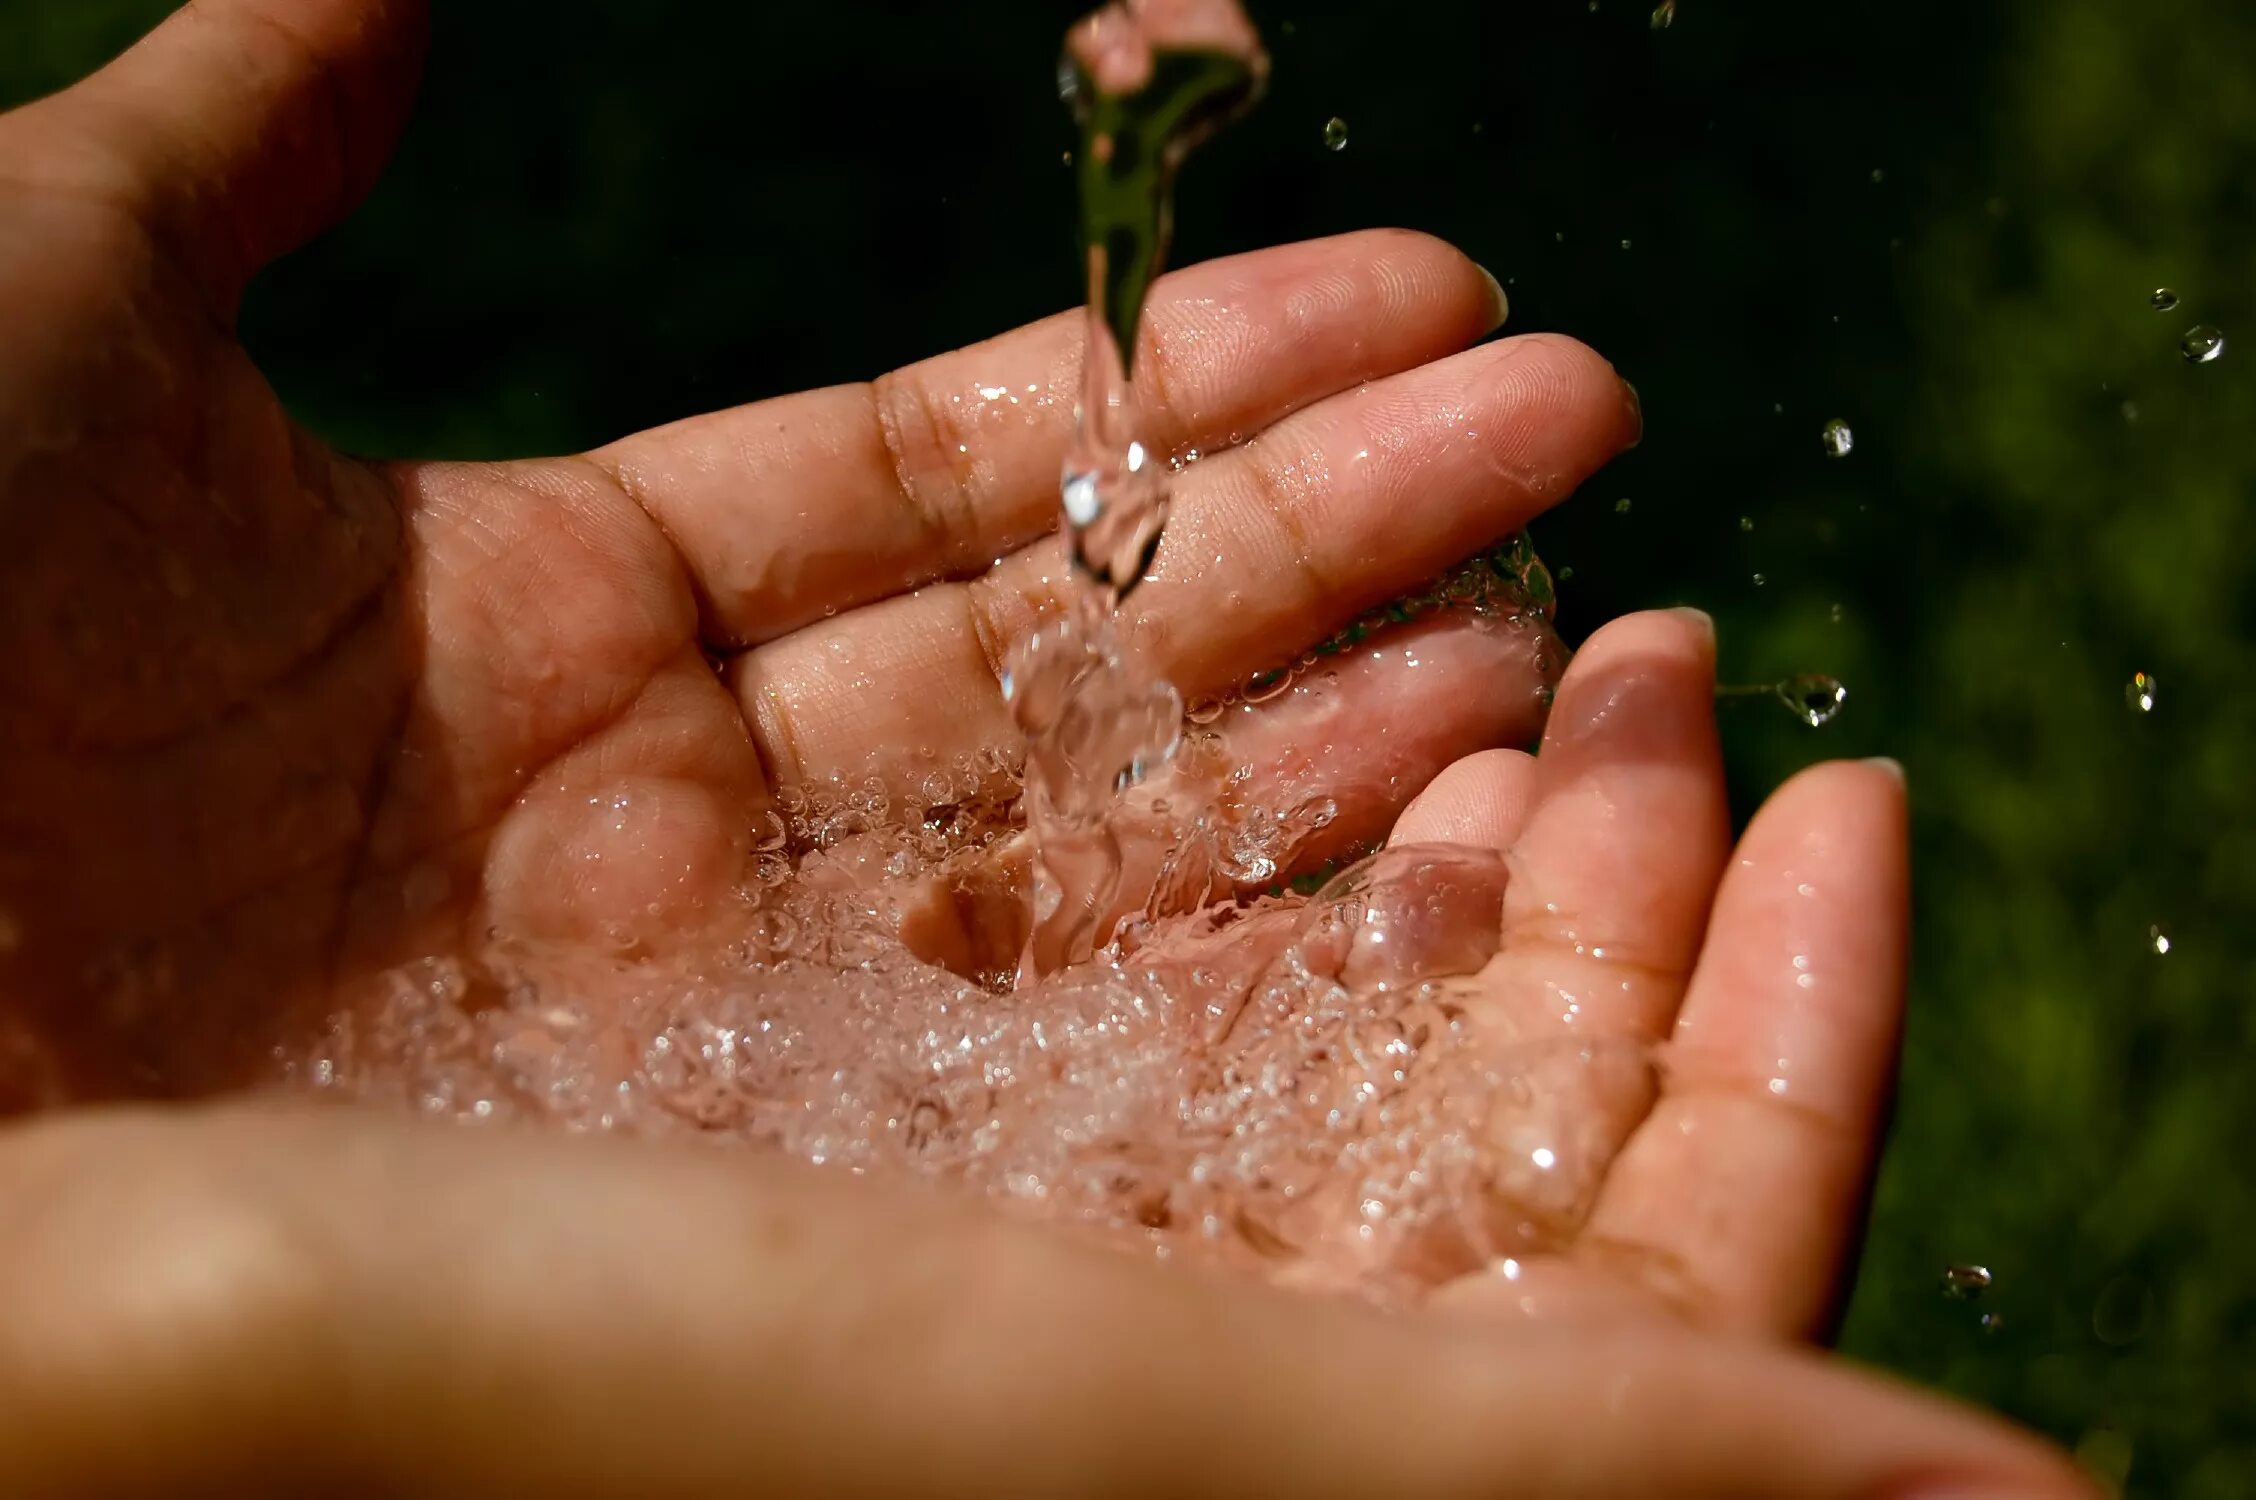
(1078, 983)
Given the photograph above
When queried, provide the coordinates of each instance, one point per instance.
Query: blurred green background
(1937, 220)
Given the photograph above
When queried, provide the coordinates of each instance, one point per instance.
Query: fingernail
(1886, 763)
(1636, 413)
(1500, 305)
(1698, 619)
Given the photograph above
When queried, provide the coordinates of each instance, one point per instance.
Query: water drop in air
(2158, 940)
(1813, 697)
(1746, 523)
(2140, 692)
(1965, 1283)
(1760, 580)
(2201, 344)
(1664, 15)
(1838, 439)
(1992, 1322)
(1621, 506)
(1335, 134)
(2162, 299)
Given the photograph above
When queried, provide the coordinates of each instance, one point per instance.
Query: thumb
(246, 127)
(253, 1301)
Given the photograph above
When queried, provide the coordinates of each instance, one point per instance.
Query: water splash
(1288, 1081)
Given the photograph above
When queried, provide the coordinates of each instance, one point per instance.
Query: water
(2007, 545)
(1106, 983)
(2201, 344)
(1837, 438)
(1335, 134)
(1965, 1282)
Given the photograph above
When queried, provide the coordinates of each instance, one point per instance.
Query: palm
(282, 718)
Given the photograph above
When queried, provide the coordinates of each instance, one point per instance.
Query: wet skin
(278, 719)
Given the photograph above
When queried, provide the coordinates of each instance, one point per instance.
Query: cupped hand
(277, 719)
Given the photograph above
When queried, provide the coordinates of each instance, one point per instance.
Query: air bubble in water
(1813, 697)
(2201, 344)
(1664, 15)
(1838, 439)
(2140, 691)
(1965, 1283)
(1335, 134)
(2162, 299)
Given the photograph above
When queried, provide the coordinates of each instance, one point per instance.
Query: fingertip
(1481, 800)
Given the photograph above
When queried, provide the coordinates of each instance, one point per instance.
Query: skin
(277, 718)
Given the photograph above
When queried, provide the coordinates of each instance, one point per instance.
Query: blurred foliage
(1936, 220)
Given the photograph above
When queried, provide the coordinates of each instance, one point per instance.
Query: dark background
(1938, 220)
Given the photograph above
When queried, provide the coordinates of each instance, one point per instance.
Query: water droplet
(1760, 580)
(2201, 344)
(1625, 244)
(1835, 614)
(2162, 299)
(2140, 692)
(1746, 523)
(2124, 1308)
(1813, 697)
(1621, 506)
(1837, 438)
(1965, 1283)
(2158, 940)
(1335, 134)
(1664, 15)
(1566, 573)
(1879, 175)
(1992, 1322)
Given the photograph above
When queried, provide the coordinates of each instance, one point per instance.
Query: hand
(280, 719)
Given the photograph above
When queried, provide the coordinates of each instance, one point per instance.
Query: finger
(1274, 789)
(1743, 1188)
(253, 1302)
(242, 128)
(791, 509)
(1482, 800)
(1613, 872)
(1274, 547)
